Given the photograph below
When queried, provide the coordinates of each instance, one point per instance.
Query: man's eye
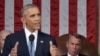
(32, 15)
(72, 43)
(39, 14)
(78, 44)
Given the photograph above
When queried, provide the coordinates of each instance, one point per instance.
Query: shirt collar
(1, 51)
(71, 55)
(27, 32)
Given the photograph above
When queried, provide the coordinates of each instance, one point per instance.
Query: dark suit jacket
(42, 49)
(0, 52)
(79, 55)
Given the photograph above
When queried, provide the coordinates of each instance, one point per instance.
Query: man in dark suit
(74, 44)
(30, 41)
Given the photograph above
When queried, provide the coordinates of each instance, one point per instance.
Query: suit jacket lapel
(23, 47)
(39, 47)
(0, 52)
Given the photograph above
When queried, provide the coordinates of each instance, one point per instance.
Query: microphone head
(31, 37)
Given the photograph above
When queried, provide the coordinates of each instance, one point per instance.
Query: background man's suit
(79, 55)
(42, 48)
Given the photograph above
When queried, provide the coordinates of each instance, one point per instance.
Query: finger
(13, 50)
(51, 43)
(16, 45)
(13, 54)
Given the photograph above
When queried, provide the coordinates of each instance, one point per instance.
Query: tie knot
(31, 37)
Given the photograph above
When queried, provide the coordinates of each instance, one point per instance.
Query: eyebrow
(34, 15)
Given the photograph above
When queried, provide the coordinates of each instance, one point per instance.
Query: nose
(74, 46)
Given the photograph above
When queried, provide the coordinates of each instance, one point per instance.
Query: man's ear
(23, 20)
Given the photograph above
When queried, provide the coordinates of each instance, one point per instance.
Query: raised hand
(53, 49)
(14, 50)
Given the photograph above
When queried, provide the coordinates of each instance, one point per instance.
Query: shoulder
(45, 35)
(64, 55)
(16, 34)
(82, 55)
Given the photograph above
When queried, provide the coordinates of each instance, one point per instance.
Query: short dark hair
(27, 7)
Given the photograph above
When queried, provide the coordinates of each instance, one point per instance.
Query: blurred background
(98, 26)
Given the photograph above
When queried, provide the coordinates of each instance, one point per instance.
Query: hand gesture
(14, 50)
(53, 49)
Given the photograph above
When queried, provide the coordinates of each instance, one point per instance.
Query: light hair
(5, 32)
(76, 35)
(27, 7)
(8, 31)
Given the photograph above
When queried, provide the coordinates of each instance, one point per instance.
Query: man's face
(73, 46)
(2, 40)
(32, 19)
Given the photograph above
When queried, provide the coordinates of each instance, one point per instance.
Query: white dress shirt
(71, 55)
(28, 33)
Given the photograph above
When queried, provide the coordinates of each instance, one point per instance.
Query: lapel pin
(41, 41)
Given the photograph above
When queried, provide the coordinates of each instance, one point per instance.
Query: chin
(37, 28)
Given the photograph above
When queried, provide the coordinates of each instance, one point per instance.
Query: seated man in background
(3, 35)
(74, 45)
